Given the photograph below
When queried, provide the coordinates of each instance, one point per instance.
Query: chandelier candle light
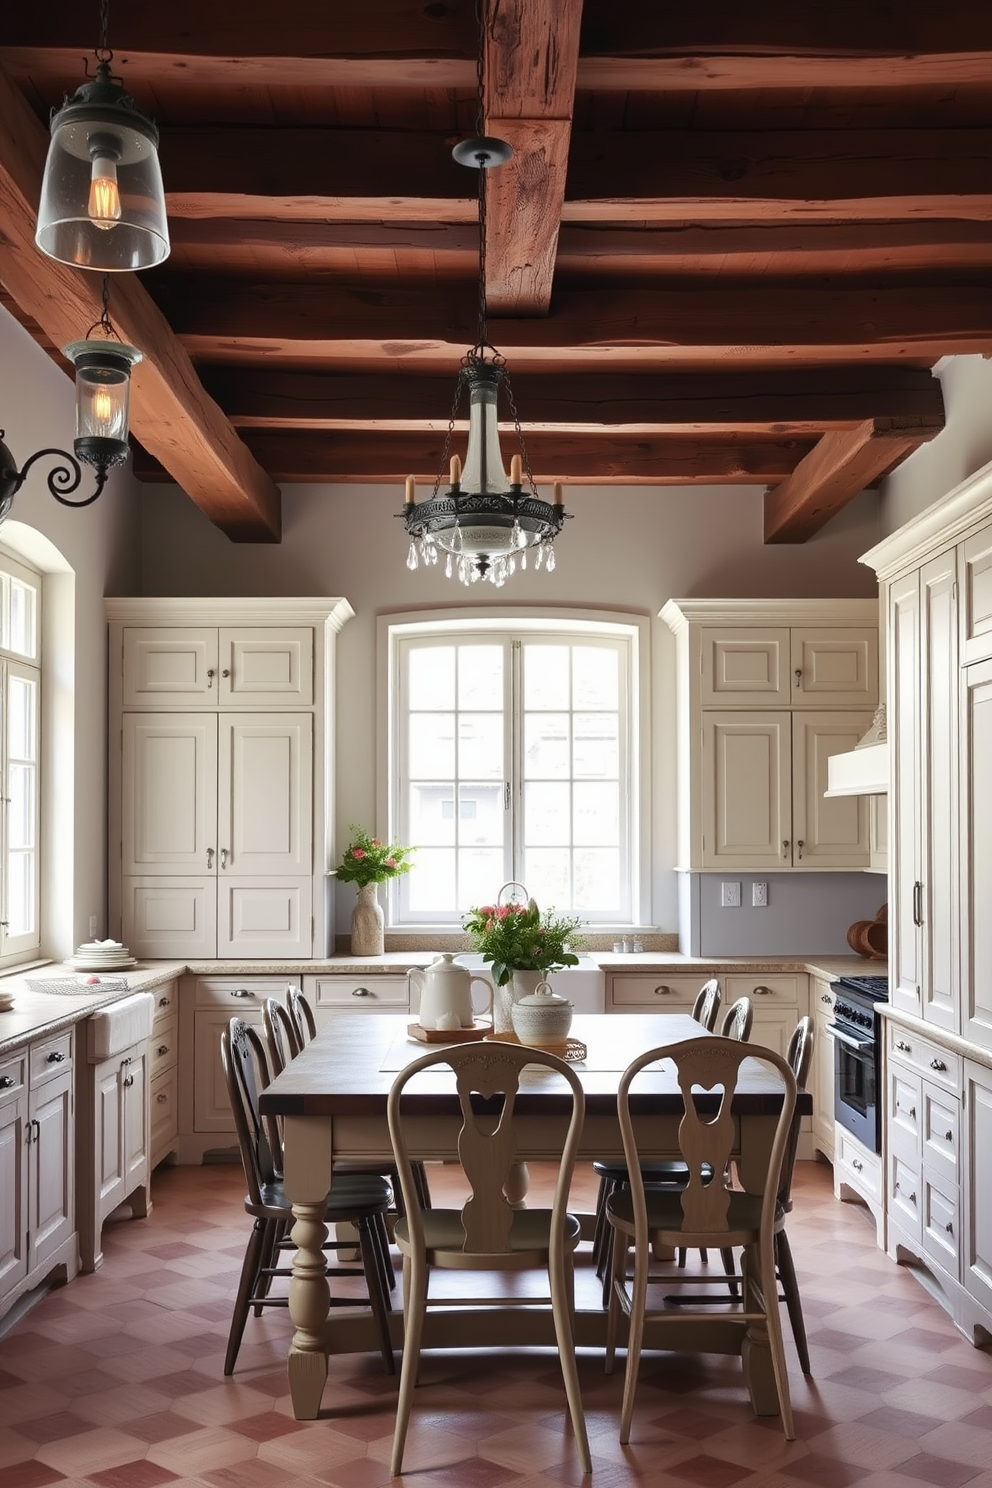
(484, 523)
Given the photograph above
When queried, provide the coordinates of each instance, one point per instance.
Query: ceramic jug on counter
(446, 994)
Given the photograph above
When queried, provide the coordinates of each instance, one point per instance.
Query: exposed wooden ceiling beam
(220, 320)
(170, 412)
(840, 465)
(790, 402)
(531, 55)
(577, 459)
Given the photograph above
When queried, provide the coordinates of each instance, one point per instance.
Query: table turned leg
(307, 1145)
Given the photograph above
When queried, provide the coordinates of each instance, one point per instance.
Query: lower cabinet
(976, 1267)
(821, 999)
(163, 1074)
(37, 1166)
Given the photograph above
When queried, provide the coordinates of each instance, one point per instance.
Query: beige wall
(963, 447)
(628, 548)
(88, 554)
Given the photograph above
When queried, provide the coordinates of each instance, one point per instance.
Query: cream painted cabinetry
(976, 855)
(821, 998)
(220, 775)
(923, 1151)
(761, 708)
(976, 1244)
(163, 1074)
(37, 1166)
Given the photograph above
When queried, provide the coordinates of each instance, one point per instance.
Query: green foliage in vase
(519, 937)
(368, 861)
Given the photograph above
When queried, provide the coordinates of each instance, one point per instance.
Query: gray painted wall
(805, 912)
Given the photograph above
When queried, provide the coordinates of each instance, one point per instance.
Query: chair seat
(660, 1170)
(530, 1239)
(665, 1215)
(350, 1197)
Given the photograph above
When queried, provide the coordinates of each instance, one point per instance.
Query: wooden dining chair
(486, 1234)
(738, 1020)
(707, 1004)
(707, 1212)
(302, 1016)
(279, 1030)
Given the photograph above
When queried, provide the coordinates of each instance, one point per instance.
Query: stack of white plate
(102, 955)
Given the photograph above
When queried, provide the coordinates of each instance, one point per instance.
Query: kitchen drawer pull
(662, 991)
(210, 857)
(917, 903)
(949, 1227)
(825, 997)
(763, 992)
(800, 844)
(165, 1002)
(226, 672)
(912, 1197)
(785, 847)
(162, 1098)
(903, 1047)
(56, 1057)
(242, 992)
(6, 1082)
(361, 992)
(949, 1136)
(162, 1049)
(223, 857)
(128, 1080)
(211, 674)
(857, 1165)
(937, 1064)
(799, 676)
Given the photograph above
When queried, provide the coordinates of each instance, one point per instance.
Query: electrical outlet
(730, 895)
(93, 927)
(759, 896)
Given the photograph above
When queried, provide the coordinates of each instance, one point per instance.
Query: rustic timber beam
(577, 459)
(221, 320)
(835, 470)
(789, 402)
(170, 411)
(530, 59)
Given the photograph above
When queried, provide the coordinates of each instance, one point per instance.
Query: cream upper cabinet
(976, 597)
(761, 708)
(976, 858)
(253, 667)
(221, 774)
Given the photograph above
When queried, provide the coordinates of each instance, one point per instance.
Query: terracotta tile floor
(116, 1381)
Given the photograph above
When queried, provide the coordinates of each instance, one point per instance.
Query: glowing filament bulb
(103, 408)
(104, 205)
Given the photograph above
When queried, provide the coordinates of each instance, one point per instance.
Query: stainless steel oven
(856, 1030)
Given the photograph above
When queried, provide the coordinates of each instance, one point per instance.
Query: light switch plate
(730, 895)
(759, 896)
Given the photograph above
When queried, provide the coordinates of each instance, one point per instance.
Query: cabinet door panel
(134, 1104)
(746, 783)
(267, 667)
(746, 666)
(50, 1180)
(258, 920)
(170, 793)
(976, 591)
(905, 971)
(266, 792)
(164, 1114)
(976, 856)
(834, 668)
(211, 1107)
(977, 1249)
(939, 790)
(170, 667)
(827, 832)
(13, 1194)
(108, 1143)
(170, 917)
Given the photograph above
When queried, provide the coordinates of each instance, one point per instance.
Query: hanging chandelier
(102, 199)
(485, 523)
(103, 365)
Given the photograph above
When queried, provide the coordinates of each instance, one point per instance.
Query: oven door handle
(863, 1046)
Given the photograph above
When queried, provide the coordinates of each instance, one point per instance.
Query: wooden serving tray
(480, 1029)
(572, 1050)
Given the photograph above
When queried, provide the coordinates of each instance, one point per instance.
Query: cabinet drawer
(656, 990)
(905, 1191)
(764, 991)
(53, 1057)
(941, 1132)
(822, 998)
(237, 993)
(163, 1044)
(360, 994)
(937, 1064)
(166, 1001)
(13, 1076)
(940, 1211)
(859, 1167)
(164, 1111)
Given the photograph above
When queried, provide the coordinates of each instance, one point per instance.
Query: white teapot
(446, 994)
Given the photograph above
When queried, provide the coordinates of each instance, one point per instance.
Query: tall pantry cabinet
(936, 578)
(221, 768)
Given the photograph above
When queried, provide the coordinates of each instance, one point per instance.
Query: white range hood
(864, 770)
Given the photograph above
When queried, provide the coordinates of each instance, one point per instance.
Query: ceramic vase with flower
(368, 935)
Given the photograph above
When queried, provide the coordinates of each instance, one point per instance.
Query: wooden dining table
(332, 1103)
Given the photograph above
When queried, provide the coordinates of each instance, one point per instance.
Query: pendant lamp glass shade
(103, 387)
(102, 200)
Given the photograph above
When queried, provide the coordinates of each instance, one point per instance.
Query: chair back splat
(707, 1004)
(737, 1020)
(302, 1015)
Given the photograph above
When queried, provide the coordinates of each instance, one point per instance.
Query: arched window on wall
(20, 759)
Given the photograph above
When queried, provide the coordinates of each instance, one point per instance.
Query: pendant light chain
(104, 53)
(105, 324)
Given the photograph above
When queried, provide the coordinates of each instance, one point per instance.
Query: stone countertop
(672, 961)
(37, 1014)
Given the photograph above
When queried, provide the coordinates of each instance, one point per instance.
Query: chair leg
(727, 1256)
(414, 1308)
(767, 1279)
(275, 1230)
(560, 1266)
(421, 1185)
(388, 1275)
(638, 1306)
(378, 1293)
(790, 1289)
(600, 1239)
(257, 1241)
(619, 1249)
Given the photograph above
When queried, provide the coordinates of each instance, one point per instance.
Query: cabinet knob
(223, 857)
(912, 1112)
(240, 992)
(948, 1136)
(211, 674)
(825, 997)
(857, 1164)
(662, 991)
(799, 676)
(165, 1002)
(163, 1049)
(210, 857)
(785, 847)
(161, 1098)
(800, 844)
(903, 1047)
(56, 1057)
(937, 1064)
(7, 1082)
(361, 992)
(128, 1080)
(949, 1228)
(763, 992)
(226, 672)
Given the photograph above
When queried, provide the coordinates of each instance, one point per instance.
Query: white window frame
(632, 631)
(16, 948)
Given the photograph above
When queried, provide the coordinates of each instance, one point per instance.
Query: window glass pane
(547, 814)
(596, 815)
(21, 814)
(21, 742)
(547, 874)
(22, 631)
(22, 914)
(480, 745)
(546, 746)
(546, 676)
(481, 814)
(597, 879)
(480, 874)
(432, 881)
(597, 746)
(480, 677)
(431, 676)
(432, 746)
(595, 677)
(432, 816)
